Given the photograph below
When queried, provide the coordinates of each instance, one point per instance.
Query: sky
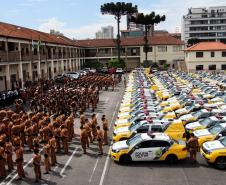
(80, 19)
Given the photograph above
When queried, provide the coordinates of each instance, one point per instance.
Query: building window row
(210, 67)
(162, 48)
(212, 54)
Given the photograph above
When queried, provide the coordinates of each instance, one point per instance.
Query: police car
(205, 123)
(211, 133)
(149, 147)
(215, 152)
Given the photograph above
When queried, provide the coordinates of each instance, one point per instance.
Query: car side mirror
(220, 135)
(137, 147)
(135, 132)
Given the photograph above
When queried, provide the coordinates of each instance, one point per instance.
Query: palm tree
(118, 10)
(147, 21)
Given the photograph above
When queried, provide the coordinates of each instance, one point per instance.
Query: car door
(142, 151)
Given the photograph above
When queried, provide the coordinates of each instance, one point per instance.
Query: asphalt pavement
(92, 169)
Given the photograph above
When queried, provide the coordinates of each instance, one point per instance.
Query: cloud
(81, 32)
(174, 10)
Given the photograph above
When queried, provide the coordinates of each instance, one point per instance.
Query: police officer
(37, 164)
(83, 138)
(100, 140)
(193, 147)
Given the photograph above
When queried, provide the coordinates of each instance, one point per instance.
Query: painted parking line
(94, 168)
(108, 156)
(67, 163)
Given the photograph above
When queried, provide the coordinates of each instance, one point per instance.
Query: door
(142, 152)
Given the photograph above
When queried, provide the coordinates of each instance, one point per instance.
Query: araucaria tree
(118, 10)
(147, 21)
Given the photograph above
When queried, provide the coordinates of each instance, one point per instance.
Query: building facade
(164, 49)
(27, 55)
(206, 24)
(208, 56)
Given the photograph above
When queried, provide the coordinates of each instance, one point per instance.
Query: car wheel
(171, 159)
(125, 159)
(221, 163)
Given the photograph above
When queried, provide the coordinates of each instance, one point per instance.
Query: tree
(118, 10)
(193, 41)
(147, 21)
(117, 63)
(93, 64)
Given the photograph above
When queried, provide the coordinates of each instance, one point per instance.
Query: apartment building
(27, 54)
(208, 56)
(105, 33)
(206, 24)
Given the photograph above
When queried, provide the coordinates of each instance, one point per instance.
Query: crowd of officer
(48, 127)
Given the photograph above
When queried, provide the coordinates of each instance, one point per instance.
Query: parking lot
(80, 169)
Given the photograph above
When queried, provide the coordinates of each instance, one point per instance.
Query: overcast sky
(80, 19)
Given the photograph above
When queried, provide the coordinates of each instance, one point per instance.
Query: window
(35, 51)
(212, 67)
(150, 49)
(156, 128)
(27, 51)
(143, 129)
(162, 48)
(199, 54)
(2, 46)
(199, 67)
(223, 67)
(145, 144)
(212, 54)
(177, 48)
(223, 53)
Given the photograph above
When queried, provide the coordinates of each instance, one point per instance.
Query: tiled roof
(13, 31)
(207, 46)
(158, 39)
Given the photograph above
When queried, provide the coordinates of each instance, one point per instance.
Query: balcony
(3, 56)
(14, 56)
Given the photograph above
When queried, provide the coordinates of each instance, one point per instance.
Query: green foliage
(118, 9)
(166, 66)
(93, 64)
(147, 20)
(117, 63)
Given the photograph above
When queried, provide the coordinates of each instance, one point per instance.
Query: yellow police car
(210, 134)
(215, 152)
(149, 147)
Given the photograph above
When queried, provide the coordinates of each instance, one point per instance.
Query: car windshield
(134, 140)
(165, 126)
(206, 122)
(216, 129)
(133, 119)
(223, 141)
(197, 114)
(134, 126)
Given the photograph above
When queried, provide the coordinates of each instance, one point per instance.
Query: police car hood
(124, 114)
(193, 125)
(120, 145)
(181, 110)
(121, 121)
(203, 132)
(213, 145)
(121, 129)
(186, 117)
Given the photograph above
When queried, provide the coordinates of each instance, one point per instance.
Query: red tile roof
(207, 46)
(158, 39)
(13, 31)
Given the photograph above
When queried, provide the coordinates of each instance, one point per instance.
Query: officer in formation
(31, 130)
(91, 131)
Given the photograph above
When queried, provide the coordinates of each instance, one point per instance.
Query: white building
(105, 33)
(206, 24)
(206, 56)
